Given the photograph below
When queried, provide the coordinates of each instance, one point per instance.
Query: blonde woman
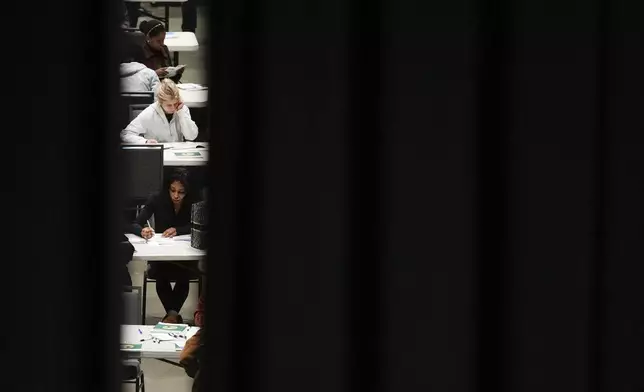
(166, 120)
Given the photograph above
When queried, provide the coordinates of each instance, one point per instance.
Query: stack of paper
(189, 146)
(189, 154)
(159, 239)
(165, 328)
(171, 334)
(131, 347)
(160, 338)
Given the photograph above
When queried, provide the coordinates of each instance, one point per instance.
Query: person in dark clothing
(171, 210)
(156, 54)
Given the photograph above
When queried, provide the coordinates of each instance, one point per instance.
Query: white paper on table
(159, 239)
(163, 346)
(186, 146)
(164, 336)
(191, 86)
(192, 331)
(130, 334)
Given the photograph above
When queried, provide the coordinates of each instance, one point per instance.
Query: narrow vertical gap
(365, 321)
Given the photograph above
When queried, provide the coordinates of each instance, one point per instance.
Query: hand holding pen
(147, 232)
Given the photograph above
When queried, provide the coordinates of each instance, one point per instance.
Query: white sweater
(152, 123)
(136, 77)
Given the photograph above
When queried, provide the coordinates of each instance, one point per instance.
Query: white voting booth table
(185, 154)
(183, 41)
(176, 249)
(193, 95)
(182, 153)
(137, 342)
(164, 249)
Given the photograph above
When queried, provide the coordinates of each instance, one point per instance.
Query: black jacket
(160, 205)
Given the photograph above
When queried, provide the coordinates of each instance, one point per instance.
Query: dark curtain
(426, 196)
(60, 268)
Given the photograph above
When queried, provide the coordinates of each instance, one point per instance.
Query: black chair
(147, 279)
(142, 166)
(129, 99)
(135, 110)
(132, 372)
(138, 97)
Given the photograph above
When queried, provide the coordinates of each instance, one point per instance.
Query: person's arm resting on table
(187, 127)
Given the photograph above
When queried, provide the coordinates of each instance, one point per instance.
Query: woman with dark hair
(156, 54)
(171, 210)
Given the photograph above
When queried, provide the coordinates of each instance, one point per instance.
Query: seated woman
(171, 210)
(156, 54)
(166, 120)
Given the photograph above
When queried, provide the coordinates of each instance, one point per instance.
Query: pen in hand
(150, 226)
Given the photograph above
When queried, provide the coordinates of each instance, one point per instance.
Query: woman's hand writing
(147, 233)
